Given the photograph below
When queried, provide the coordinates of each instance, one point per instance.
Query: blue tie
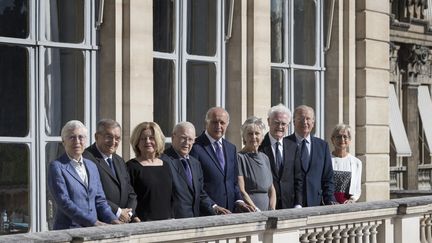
(111, 165)
(220, 155)
(187, 171)
(304, 154)
(279, 160)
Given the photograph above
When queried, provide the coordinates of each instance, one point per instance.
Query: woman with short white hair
(255, 177)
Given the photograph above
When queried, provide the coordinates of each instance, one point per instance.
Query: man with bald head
(314, 157)
(189, 197)
(218, 159)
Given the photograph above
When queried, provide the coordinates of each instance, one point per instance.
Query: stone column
(248, 65)
(137, 53)
(410, 63)
(372, 78)
(340, 69)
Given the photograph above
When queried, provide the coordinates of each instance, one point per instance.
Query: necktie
(304, 154)
(220, 155)
(187, 171)
(278, 157)
(111, 165)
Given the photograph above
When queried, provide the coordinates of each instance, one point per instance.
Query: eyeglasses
(340, 137)
(109, 138)
(75, 137)
(279, 123)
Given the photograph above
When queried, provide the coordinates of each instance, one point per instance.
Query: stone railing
(398, 220)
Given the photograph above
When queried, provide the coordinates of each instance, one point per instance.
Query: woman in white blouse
(347, 168)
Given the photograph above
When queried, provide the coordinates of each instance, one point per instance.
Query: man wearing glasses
(75, 186)
(112, 170)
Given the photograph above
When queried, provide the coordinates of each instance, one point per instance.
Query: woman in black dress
(150, 176)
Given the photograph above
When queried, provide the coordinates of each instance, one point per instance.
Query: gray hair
(279, 109)
(106, 123)
(71, 126)
(211, 110)
(184, 125)
(304, 108)
(253, 121)
(341, 127)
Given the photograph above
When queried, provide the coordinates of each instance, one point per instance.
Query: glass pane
(277, 30)
(304, 88)
(14, 188)
(64, 88)
(277, 86)
(164, 98)
(304, 32)
(65, 21)
(201, 27)
(53, 150)
(14, 91)
(163, 25)
(14, 18)
(201, 92)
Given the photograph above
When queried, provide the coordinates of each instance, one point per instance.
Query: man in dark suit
(74, 184)
(189, 197)
(287, 174)
(314, 157)
(218, 159)
(112, 170)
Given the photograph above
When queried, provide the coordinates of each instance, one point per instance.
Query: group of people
(200, 175)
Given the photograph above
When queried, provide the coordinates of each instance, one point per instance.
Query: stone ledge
(257, 222)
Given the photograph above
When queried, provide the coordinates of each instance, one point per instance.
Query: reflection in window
(202, 27)
(277, 86)
(14, 188)
(14, 18)
(64, 88)
(304, 88)
(304, 32)
(53, 150)
(277, 30)
(65, 21)
(163, 89)
(14, 91)
(201, 86)
(163, 25)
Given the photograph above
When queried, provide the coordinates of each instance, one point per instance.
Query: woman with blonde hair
(150, 176)
(347, 169)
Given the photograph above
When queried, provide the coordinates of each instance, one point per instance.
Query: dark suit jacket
(289, 182)
(118, 190)
(220, 184)
(318, 184)
(188, 201)
(78, 205)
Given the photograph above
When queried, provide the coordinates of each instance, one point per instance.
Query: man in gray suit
(112, 170)
(189, 197)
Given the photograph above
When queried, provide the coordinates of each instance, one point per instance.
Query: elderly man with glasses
(112, 170)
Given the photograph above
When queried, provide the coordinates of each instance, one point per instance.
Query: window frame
(180, 57)
(36, 139)
(289, 67)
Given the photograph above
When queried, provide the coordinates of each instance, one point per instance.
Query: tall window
(297, 55)
(188, 50)
(47, 68)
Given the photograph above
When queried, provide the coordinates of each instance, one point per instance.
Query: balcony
(397, 220)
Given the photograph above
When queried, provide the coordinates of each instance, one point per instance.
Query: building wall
(356, 78)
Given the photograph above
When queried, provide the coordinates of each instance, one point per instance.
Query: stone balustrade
(398, 220)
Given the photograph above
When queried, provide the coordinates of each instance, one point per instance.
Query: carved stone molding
(414, 61)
